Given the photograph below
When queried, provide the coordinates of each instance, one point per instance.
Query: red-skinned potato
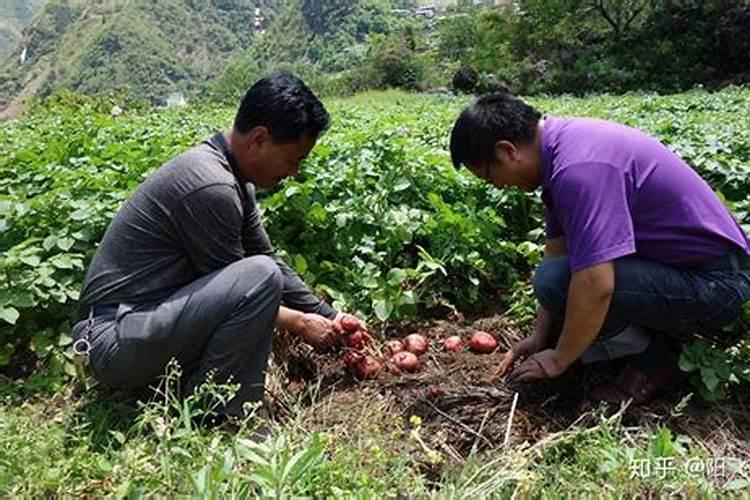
(453, 343)
(482, 342)
(352, 359)
(415, 343)
(368, 367)
(405, 361)
(393, 346)
(350, 324)
(356, 340)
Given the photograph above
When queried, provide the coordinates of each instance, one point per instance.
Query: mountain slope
(14, 16)
(328, 35)
(143, 47)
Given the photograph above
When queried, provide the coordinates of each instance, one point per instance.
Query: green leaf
(401, 185)
(65, 244)
(662, 445)
(200, 480)
(407, 298)
(396, 276)
(291, 191)
(49, 242)
(21, 298)
(709, 378)
(737, 484)
(9, 314)
(80, 214)
(300, 264)
(687, 364)
(6, 354)
(103, 464)
(383, 309)
(62, 262)
(303, 460)
(30, 260)
(70, 369)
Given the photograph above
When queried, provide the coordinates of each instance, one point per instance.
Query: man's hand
(318, 331)
(520, 350)
(542, 365)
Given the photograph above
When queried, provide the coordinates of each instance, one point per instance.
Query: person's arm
(555, 248)
(314, 329)
(592, 202)
(542, 324)
(589, 295)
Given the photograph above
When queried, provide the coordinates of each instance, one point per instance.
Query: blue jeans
(649, 296)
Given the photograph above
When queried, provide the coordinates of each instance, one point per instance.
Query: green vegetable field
(381, 223)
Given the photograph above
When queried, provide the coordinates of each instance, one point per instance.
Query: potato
(393, 346)
(356, 340)
(482, 342)
(415, 343)
(350, 324)
(405, 361)
(352, 359)
(368, 367)
(453, 343)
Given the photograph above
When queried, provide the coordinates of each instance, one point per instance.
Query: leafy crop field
(381, 223)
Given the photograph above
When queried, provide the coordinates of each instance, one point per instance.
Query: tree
(457, 37)
(620, 14)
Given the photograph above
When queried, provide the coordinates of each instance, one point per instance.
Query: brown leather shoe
(635, 385)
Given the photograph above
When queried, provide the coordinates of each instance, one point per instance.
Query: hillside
(14, 16)
(330, 36)
(145, 48)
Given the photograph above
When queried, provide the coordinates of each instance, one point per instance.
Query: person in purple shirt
(637, 244)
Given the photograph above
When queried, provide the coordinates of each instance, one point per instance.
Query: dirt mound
(459, 405)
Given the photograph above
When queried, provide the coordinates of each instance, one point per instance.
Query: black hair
(489, 119)
(285, 106)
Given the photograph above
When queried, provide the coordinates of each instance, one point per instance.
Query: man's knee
(551, 281)
(263, 270)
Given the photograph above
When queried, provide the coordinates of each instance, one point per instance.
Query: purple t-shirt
(613, 191)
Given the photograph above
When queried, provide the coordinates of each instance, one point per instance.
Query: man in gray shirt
(186, 269)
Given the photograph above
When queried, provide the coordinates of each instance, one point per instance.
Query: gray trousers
(221, 323)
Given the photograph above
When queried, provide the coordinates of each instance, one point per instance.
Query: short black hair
(285, 106)
(489, 119)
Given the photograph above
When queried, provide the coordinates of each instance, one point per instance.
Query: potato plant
(378, 220)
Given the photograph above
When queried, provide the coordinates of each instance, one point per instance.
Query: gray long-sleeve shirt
(190, 217)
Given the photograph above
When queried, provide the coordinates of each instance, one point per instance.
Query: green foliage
(144, 48)
(531, 46)
(563, 46)
(393, 62)
(278, 469)
(331, 40)
(57, 195)
(714, 371)
(457, 37)
(378, 220)
(82, 445)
